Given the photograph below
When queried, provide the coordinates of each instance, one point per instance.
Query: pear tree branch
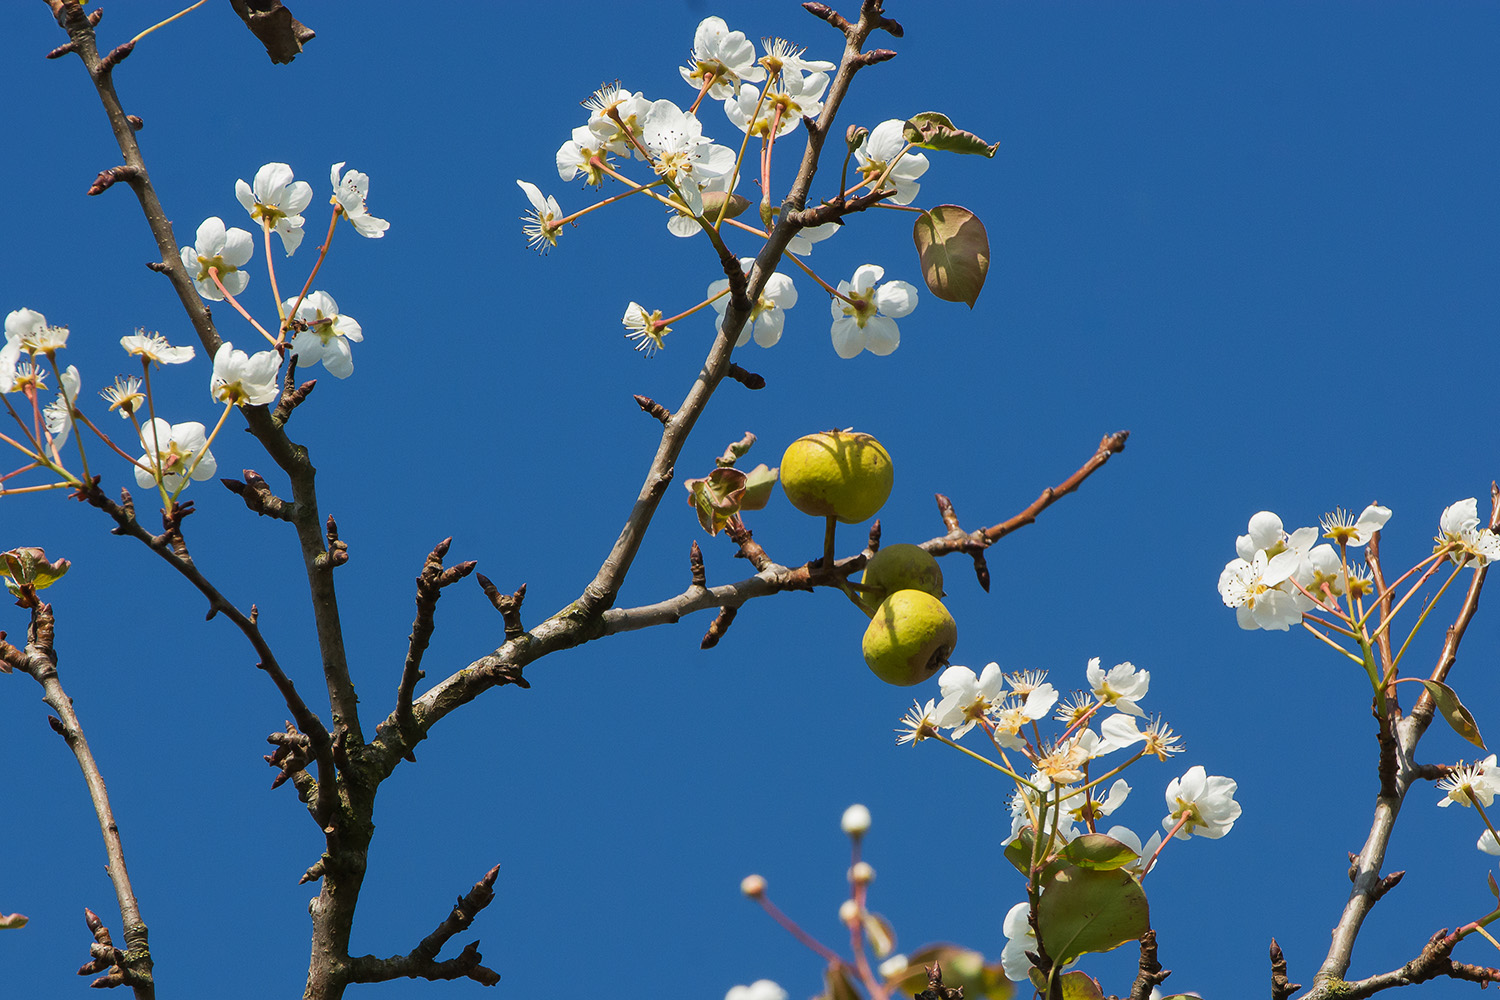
(132, 966)
(1365, 871)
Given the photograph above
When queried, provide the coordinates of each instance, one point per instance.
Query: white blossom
(276, 201)
(224, 250)
(350, 193)
(726, 56)
(1206, 802)
(1459, 524)
(880, 149)
(245, 380)
(767, 313)
(866, 318)
(172, 449)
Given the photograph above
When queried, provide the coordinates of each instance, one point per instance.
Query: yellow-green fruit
(910, 638)
(838, 474)
(900, 567)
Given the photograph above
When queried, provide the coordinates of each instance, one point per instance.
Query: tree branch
(1111, 445)
(1409, 731)
(133, 965)
(430, 584)
(292, 458)
(308, 721)
(421, 962)
(564, 631)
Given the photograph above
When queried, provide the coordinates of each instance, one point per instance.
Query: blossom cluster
(1059, 793)
(175, 454)
(765, 97)
(1276, 576)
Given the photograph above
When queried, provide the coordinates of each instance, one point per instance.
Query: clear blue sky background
(1260, 236)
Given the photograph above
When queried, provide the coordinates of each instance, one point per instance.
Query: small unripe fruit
(900, 567)
(840, 474)
(910, 638)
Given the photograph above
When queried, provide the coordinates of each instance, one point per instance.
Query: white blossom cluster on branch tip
(1459, 531)
(1269, 582)
(1066, 785)
(694, 178)
(310, 325)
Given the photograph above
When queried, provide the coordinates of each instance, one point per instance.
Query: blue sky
(1261, 237)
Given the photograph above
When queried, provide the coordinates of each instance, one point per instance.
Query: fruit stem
(850, 590)
(828, 544)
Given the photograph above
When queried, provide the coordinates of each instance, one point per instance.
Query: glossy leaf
(1080, 986)
(1453, 710)
(1085, 911)
(1018, 853)
(1098, 852)
(934, 130)
(954, 251)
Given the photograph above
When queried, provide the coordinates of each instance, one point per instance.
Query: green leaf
(1454, 712)
(1098, 852)
(954, 251)
(880, 934)
(714, 200)
(961, 967)
(1085, 911)
(716, 497)
(758, 485)
(934, 130)
(29, 565)
(1494, 889)
(1018, 853)
(839, 984)
(1080, 986)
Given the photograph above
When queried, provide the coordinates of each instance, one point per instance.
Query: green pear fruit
(902, 566)
(910, 638)
(839, 474)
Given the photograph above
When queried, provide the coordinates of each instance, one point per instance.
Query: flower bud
(849, 912)
(854, 136)
(753, 886)
(856, 820)
(861, 874)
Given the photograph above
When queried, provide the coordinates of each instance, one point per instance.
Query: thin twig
(421, 962)
(134, 963)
